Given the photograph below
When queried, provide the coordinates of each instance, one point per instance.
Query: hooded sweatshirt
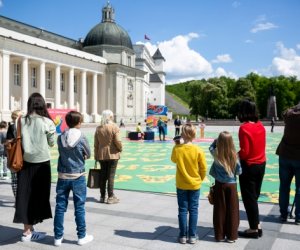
(73, 149)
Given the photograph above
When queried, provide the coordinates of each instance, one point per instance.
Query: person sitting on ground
(74, 149)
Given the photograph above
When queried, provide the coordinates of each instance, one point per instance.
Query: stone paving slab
(142, 221)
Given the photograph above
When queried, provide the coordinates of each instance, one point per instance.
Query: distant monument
(272, 108)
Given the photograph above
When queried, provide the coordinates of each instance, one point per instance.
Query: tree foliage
(220, 97)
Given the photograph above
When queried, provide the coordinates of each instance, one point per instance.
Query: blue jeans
(287, 170)
(188, 202)
(63, 188)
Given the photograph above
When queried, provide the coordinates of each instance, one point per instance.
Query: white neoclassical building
(102, 71)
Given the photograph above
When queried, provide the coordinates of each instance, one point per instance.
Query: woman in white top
(34, 180)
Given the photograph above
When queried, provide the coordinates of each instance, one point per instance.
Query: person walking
(272, 124)
(34, 179)
(74, 149)
(177, 124)
(224, 169)
(107, 149)
(289, 162)
(11, 134)
(190, 172)
(252, 154)
(161, 128)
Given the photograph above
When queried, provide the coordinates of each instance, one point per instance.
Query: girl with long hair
(226, 205)
(34, 180)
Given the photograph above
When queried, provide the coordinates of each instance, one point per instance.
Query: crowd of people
(31, 185)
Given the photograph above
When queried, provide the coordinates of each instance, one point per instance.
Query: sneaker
(57, 242)
(86, 239)
(113, 200)
(192, 240)
(230, 241)
(182, 240)
(34, 236)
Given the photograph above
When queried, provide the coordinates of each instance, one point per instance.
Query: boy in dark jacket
(73, 149)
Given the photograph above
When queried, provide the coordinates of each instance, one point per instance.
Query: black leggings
(107, 175)
(250, 184)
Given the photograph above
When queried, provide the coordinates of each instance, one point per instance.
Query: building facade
(102, 71)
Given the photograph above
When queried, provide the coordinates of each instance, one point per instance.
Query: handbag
(94, 177)
(14, 151)
(211, 194)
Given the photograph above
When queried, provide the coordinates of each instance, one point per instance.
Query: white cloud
(225, 58)
(181, 60)
(1, 3)
(298, 46)
(249, 41)
(222, 72)
(287, 62)
(263, 26)
(236, 4)
(183, 63)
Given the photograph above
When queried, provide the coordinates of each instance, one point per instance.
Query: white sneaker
(57, 242)
(34, 236)
(86, 239)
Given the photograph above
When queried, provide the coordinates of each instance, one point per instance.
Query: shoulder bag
(14, 151)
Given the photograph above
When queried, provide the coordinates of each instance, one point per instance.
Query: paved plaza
(142, 220)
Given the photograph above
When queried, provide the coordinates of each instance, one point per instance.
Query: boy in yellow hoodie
(190, 172)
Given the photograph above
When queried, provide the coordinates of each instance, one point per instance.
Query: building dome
(108, 32)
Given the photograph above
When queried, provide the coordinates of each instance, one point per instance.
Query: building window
(49, 79)
(33, 78)
(130, 86)
(129, 61)
(75, 84)
(62, 82)
(17, 74)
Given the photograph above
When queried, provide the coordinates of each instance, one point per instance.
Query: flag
(146, 37)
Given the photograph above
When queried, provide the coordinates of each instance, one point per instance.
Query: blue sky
(198, 38)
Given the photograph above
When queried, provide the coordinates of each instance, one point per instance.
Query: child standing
(190, 172)
(226, 205)
(73, 149)
(3, 157)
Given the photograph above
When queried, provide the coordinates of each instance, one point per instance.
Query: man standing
(289, 162)
(177, 124)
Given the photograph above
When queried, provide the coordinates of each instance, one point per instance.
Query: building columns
(5, 81)
(43, 79)
(83, 92)
(24, 84)
(71, 89)
(57, 87)
(94, 94)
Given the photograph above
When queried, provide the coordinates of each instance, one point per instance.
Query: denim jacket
(218, 171)
(73, 149)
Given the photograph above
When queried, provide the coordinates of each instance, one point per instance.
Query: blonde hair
(107, 116)
(188, 132)
(225, 152)
(15, 114)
